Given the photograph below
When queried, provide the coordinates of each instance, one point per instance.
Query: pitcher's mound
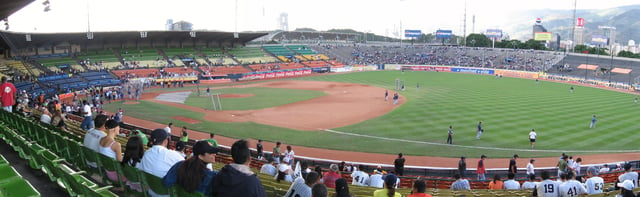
(187, 120)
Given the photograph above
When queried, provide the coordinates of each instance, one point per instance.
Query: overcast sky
(381, 17)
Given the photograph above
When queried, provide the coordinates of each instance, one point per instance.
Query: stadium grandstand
(39, 159)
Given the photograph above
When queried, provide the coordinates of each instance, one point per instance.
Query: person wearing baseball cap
(626, 188)
(629, 174)
(390, 181)
(157, 160)
(192, 174)
(594, 184)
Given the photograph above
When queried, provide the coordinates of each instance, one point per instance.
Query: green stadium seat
(134, 176)
(75, 152)
(110, 164)
(154, 183)
(48, 160)
(178, 190)
(8, 173)
(31, 150)
(66, 175)
(92, 156)
(18, 188)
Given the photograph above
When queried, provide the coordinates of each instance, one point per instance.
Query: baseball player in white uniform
(548, 187)
(360, 178)
(532, 138)
(572, 187)
(595, 184)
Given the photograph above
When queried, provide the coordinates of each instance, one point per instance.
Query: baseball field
(348, 112)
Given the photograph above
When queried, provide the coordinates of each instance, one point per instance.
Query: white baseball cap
(627, 184)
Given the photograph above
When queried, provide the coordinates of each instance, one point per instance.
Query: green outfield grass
(262, 98)
(508, 107)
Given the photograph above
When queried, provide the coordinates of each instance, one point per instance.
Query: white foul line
(479, 147)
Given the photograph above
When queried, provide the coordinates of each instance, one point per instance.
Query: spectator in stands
(512, 164)
(192, 174)
(259, 149)
(180, 147)
(319, 190)
(8, 94)
(269, 168)
(594, 184)
(375, 180)
(563, 166)
(289, 156)
(460, 183)
(58, 120)
(331, 176)
(157, 160)
(572, 187)
(530, 167)
(462, 166)
(626, 189)
(511, 183)
(418, 189)
(342, 188)
(398, 165)
(212, 141)
(110, 147)
(481, 168)
(284, 173)
(389, 187)
(168, 130)
(184, 136)
(276, 153)
(531, 183)
(45, 117)
(576, 166)
(86, 112)
(360, 177)
(133, 151)
(496, 184)
(302, 187)
(93, 136)
(547, 183)
(604, 169)
(629, 175)
(237, 179)
(143, 137)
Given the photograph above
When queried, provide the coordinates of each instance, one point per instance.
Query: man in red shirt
(480, 169)
(7, 94)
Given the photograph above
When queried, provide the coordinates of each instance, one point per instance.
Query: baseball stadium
(428, 112)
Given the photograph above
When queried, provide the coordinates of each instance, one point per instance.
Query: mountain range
(625, 19)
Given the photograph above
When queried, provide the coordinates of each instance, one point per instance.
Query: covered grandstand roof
(8, 7)
(18, 40)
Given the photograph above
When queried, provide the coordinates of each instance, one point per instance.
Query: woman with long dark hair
(496, 184)
(133, 151)
(192, 174)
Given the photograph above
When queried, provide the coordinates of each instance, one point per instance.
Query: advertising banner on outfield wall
(392, 67)
(275, 74)
(431, 68)
(472, 70)
(518, 74)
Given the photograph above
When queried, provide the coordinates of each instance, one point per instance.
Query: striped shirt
(460, 184)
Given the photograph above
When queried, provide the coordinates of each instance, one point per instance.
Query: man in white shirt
(157, 160)
(375, 180)
(289, 156)
(168, 129)
(572, 187)
(594, 184)
(548, 187)
(93, 136)
(269, 168)
(629, 175)
(86, 112)
(511, 184)
(302, 187)
(530, 168)
(604, 169)
(530, 184)
(360, 177)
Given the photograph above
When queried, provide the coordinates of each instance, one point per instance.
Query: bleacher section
(63, 62)
(181, 71)
(282, 53)
(100, 58)
(30, 87)
(223, 70)
(133, 73)
(251, 55)
(24, 68)
(142, 54)
(217, 56)
(102, 78)
(301, 49)
(569, 67)
(315, 64)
